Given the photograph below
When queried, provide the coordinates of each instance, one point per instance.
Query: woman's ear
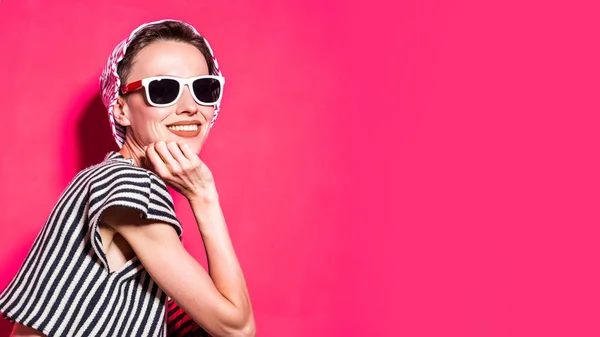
(120, 112)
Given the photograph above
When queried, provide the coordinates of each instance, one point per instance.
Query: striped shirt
(65, 286)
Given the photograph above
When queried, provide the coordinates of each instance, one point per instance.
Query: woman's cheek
(161, 132)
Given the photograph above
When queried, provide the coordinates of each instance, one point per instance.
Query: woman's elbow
(245, 327)
(248, 329)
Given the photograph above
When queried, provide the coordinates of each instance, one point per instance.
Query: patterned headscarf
(110, 82)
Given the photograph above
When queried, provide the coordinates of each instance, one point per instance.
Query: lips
(186, 129)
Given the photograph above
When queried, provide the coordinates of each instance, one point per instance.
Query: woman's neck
(134, 152)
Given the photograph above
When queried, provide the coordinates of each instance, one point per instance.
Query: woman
(110, 257)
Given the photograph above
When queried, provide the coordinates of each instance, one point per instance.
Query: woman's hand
(183, 170)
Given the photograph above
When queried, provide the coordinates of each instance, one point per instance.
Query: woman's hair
(163, 31)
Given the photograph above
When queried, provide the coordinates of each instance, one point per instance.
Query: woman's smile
(186, 129)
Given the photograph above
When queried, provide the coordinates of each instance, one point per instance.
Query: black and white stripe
(65, 287)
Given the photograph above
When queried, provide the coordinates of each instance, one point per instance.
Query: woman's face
(148, 124)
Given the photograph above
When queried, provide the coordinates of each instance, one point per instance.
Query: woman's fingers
(181, 168)
(177, 154)
(166, 156)
(170, 161)
(157, 162)
(187, 152)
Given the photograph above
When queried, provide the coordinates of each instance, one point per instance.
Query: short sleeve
(130, 187)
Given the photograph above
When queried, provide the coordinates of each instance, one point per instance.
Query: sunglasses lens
(207, 90)
(163, 91)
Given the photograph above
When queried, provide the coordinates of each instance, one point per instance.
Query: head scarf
(110, 82)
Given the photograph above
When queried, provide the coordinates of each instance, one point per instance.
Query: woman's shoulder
(116, 167)
(113, 167)
(115, 164)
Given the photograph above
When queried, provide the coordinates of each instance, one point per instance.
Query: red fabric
(180, 324)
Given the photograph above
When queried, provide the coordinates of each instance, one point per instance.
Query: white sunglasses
(162, 91)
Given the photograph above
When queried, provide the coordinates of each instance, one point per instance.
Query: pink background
(424, 168)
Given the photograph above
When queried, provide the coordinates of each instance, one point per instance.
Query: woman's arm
(223, 265)
(219, 301)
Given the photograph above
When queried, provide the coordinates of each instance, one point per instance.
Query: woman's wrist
(206, 198)
(207, 211)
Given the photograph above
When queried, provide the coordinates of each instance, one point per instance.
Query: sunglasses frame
(182, 83)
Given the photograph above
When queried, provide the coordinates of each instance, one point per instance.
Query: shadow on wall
(94, 134)
(5, 327)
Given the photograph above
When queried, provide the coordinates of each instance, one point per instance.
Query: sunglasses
(162, 91)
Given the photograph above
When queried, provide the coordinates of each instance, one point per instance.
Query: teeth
(184, 127)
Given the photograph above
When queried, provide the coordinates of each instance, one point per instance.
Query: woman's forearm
(223, 265)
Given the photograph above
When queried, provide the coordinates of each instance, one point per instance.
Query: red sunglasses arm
(131, 87)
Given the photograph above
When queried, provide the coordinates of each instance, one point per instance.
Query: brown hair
(163, 31)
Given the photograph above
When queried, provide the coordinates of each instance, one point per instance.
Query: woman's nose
(186, 103)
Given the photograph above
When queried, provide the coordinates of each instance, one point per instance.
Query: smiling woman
(109, 260)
